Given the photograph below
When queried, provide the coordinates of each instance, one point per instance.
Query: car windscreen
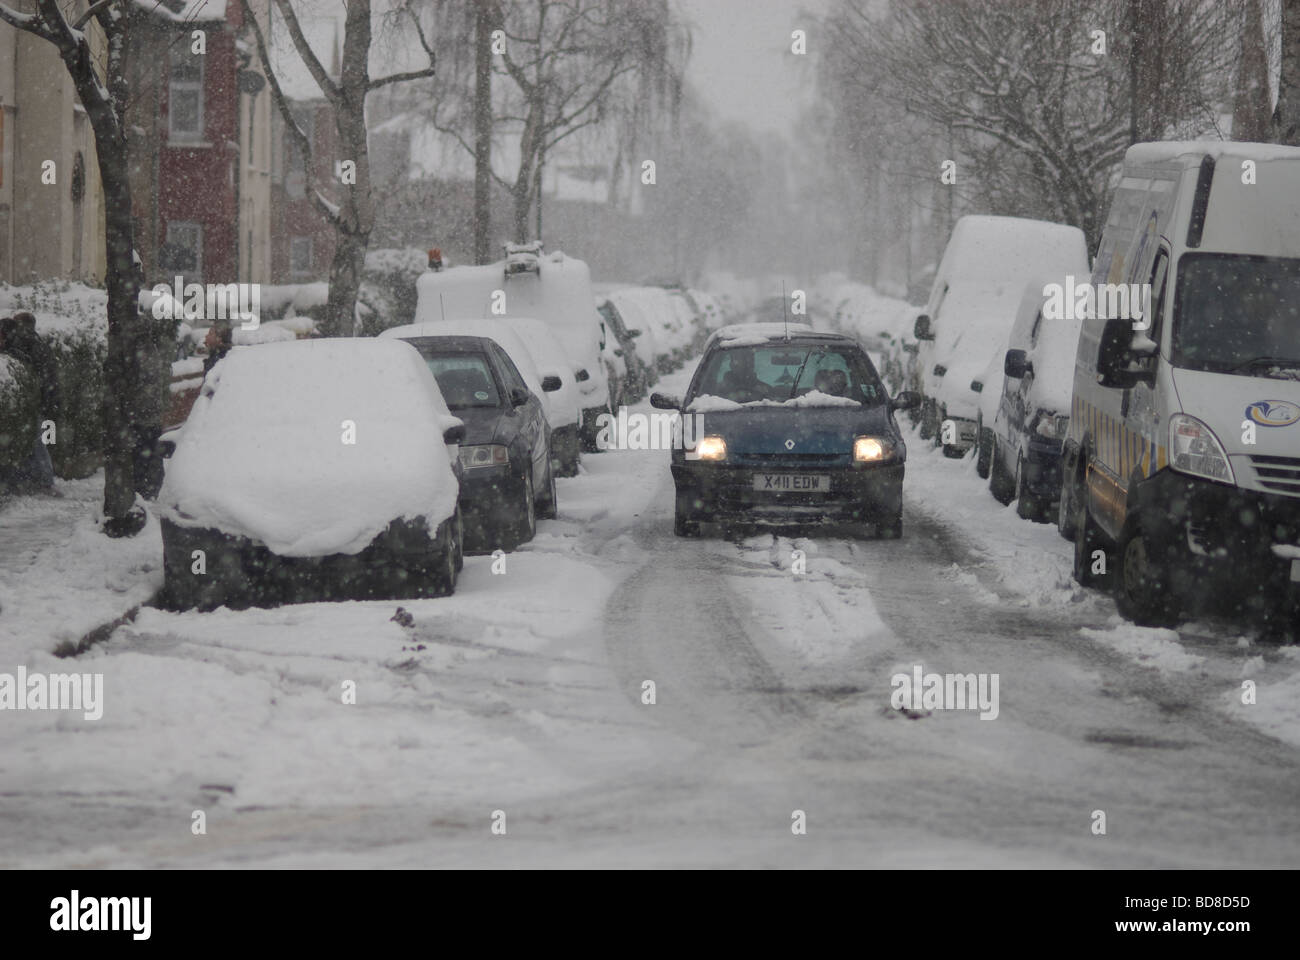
(464, 379)
(781, 371)
(1237, 314)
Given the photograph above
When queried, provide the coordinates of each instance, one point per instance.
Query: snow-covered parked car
(635, 375)
(552, 288)
(313, 470)
(971, 309)
(541, 362)
(1032, 415)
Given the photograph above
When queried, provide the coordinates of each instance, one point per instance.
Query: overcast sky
(741, 63)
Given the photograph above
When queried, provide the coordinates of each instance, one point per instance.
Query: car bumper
(1220, 539)
(489, 499)
(241, 571)
(724, 492)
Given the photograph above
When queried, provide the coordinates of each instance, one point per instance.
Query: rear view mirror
(551, 384)
(518, 396)
(662, 401)
(1115, 355)
(454, 434)
(1015, 364)
(787, 360)
(922, 329)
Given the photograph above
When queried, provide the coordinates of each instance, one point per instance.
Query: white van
(1182, 465)
(971, 309)
(552, 288)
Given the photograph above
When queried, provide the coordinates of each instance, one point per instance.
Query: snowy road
(523, 694)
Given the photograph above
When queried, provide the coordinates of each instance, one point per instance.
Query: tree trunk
(345, 283)
(1286, 119)
(483, 133)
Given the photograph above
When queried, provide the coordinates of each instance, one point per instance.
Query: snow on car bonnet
(707, 403)
(265, 453)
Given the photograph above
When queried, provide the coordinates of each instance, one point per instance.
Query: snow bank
(263, 455)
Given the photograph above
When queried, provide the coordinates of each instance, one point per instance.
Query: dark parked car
(506, 453)
(313, 470)
(792, 428)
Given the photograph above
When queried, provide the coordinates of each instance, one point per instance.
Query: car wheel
(1142, 591)
(984, 452)
(549, 506)
(1088, 539)
(523, 527)
(683, 523)
(460, 540)
(1065, 512)
(443, 579)
(1000, 485)
(1028, 506)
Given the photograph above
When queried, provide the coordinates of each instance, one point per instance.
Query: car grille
(1278, 473)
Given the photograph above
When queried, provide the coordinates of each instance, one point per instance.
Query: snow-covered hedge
(19, 400)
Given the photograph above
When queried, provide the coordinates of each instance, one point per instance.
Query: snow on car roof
(986, 248)
(738, 334)
(1053, 354)
(263, 454)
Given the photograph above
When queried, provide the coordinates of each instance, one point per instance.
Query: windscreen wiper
(1289, 368)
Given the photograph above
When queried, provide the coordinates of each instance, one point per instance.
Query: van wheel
(1028, 506)
(1141, 583)
(1088, 538)
(1000, 485)
(984, 452)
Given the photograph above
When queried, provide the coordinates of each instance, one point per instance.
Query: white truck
(1181, 472)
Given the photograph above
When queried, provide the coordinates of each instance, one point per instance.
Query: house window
(182, 253)
(185, 93)
(300, 257)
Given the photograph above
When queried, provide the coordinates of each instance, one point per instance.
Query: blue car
(786, 425)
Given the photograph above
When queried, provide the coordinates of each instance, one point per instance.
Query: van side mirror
(922, 329)
(1015, 364)
(1119, 366)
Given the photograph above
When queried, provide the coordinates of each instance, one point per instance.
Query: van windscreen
(1238, 314)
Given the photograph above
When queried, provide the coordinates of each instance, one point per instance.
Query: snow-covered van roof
(983, 249)
(263, 453)
(1191, 151)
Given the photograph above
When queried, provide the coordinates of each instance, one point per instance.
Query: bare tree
(1286, 118)
(353, 220)
(563, 63)
(133, 403)
(1042, 97)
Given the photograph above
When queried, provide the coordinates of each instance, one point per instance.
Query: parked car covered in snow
(552, 288)
(970, 311)
(794, 427)
(630, 376)
(1033, 409)
(313, 470)
(509, 480)
(540, 361)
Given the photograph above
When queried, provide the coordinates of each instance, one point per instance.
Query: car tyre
(984, 452)
(443, 578)
(524, 525)
(1000, 485)
(548, 508)
(1142, 591)
(684, 524)
(1028, 506)
(1088, 538)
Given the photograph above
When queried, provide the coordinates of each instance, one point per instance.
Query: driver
(741, 380)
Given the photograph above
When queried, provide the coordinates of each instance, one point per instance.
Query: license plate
(1295, 570)
(792, 482)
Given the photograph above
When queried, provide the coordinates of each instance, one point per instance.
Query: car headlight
(483, 455)
(1194, 449)
(711, 448)
(872, 449)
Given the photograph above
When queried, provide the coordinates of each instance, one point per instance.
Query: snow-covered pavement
(523, 699)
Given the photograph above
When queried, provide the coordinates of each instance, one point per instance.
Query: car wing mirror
(551, 383)
(582, 376)
(923, 328)
(518, 396)
(1015, 364)
(906, 400)
(663, 401)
